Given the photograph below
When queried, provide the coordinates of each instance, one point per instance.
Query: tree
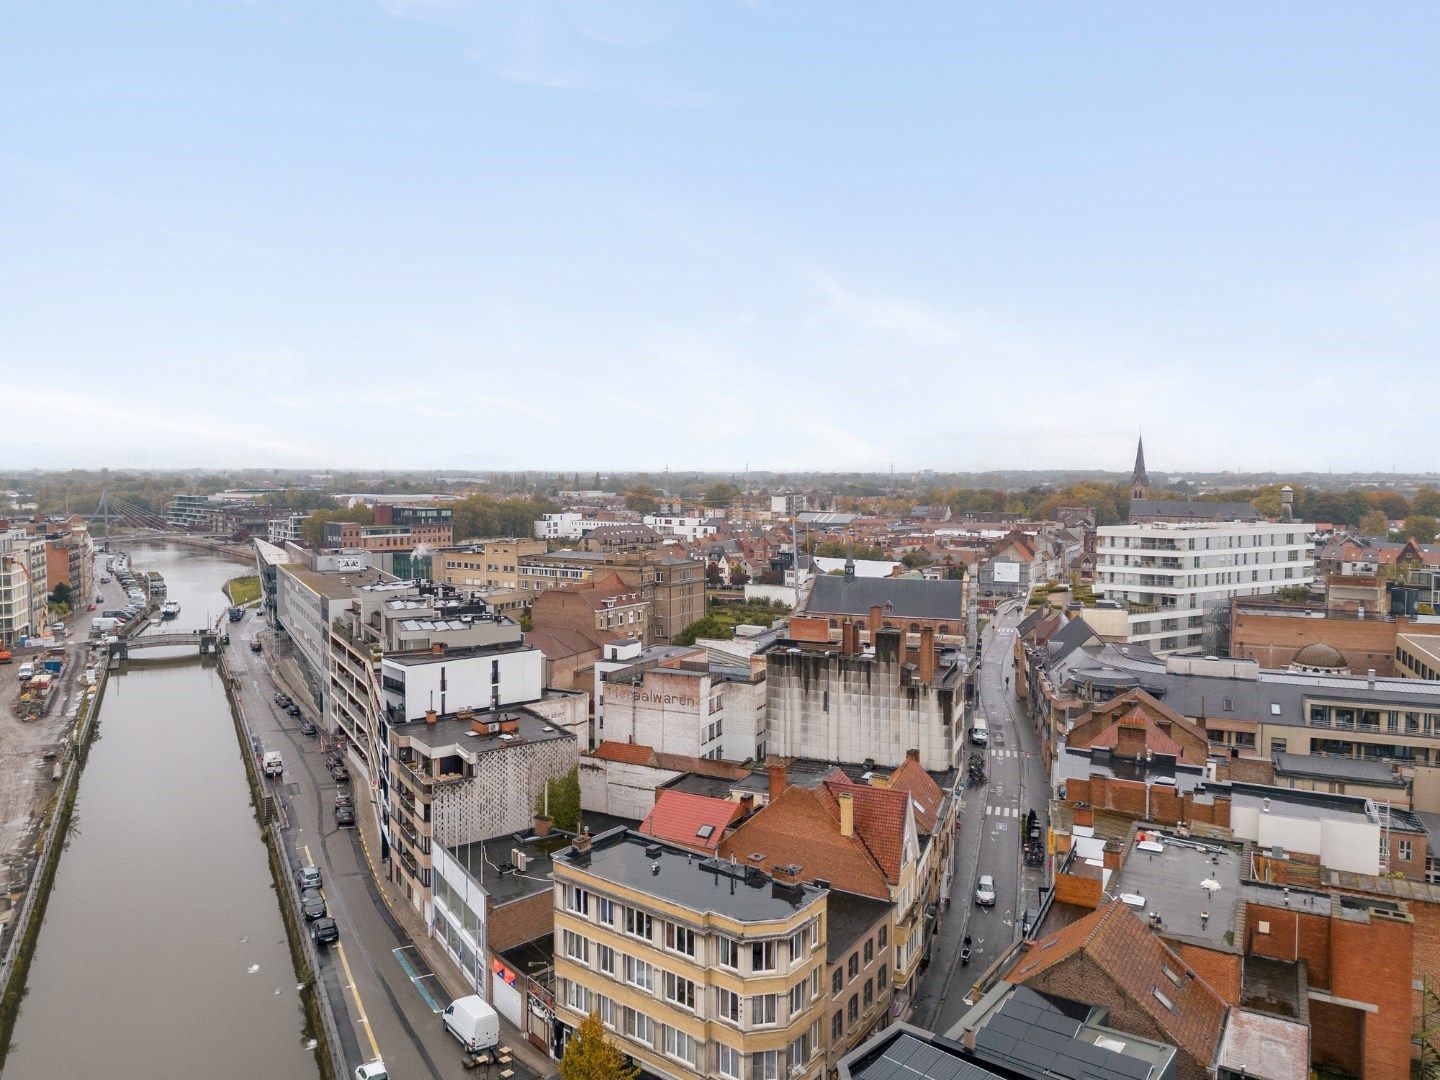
(916, 559)
(1422, 527)
(1374, 523)
(1293, 594)
(564, 802)
(1427, 502)
(642, 500)
(721, 494)
(61, 594)
(590, 1055)
(713, 577)
(738, 577)
(312, 529)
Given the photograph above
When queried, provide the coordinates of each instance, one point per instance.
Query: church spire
(1140, 481)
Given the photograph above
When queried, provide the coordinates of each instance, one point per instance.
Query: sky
(605, 235)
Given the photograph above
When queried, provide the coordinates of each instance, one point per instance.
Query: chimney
(1112, 856)
(747, 805)
(430, 716)
(847, 636)
(847, 813)
(581, 844)
(913, 754)
(510, 725)
(438, 648)
(541, 825)
(1370, 678)
(778, 781)
(785, 875)
(927, 655)
(873, 623)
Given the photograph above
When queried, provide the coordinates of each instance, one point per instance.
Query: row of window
(637, 1027)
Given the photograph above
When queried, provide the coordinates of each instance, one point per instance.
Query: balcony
(419, 782)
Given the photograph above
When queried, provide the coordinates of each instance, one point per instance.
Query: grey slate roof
(1070, 637)
(1193, 511)
(1321, 767)
(912, 598)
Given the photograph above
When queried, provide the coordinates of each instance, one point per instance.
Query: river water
(163, 955)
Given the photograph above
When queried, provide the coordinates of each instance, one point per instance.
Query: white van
(273, 764)
(473, 1022)
(980, 731)
(27, 670)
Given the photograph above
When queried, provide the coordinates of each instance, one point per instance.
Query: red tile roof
(880, 816)
(1156, 741)
(1118, 944)
(912, 778)
(798, 828)
(682, 816)
(630, 753)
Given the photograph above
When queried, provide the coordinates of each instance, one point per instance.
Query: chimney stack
(873, 624)
(541, 825)
(581, 843)
(927, 655)
(847, 813)
(913, 754)
(430, 716)
(778, 781)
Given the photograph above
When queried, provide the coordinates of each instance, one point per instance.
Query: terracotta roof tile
(630, 753)
(695, 821)
(1136, 961)
(880, 816)
(912, 778)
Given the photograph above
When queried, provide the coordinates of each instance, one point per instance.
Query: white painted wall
(467, 682)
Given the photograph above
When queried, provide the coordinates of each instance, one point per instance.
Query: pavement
(386, 977)
(991, 837)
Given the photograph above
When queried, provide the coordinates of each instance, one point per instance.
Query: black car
(339, 772)
(309, 729)
(293, 709)
(345, 817)
(324, 931)
(255, 645)
(283, 700)
(313, 904)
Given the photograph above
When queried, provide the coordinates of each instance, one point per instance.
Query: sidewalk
(435, 956)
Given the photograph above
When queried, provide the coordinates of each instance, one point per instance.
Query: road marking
(410, 972)
(359, 1005)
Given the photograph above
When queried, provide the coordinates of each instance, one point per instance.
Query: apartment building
(23, 585)
(70, 558)
(609, 606)
(415, 515)
(1170, 575)
(696, 966)
(353, 536)
(573, 525)
(674, 586)
(538, 572)
(491, 564)
(688, 528)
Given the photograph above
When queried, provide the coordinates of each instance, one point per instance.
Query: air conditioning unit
(520, 859)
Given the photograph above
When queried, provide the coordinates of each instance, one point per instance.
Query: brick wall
(1274, 640)
(1310, 941)
(523, 920)
(1165, 807)
(1337, 1037)
(1370, 961)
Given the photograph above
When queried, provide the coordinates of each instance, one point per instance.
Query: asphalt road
(992, 830)
(390, 1001)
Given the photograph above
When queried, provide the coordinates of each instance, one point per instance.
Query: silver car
(985, 891)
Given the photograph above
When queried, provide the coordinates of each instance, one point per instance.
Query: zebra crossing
(1001, 811)
(1004, 753)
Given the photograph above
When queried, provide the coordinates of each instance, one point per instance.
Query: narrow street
(991, 837)
(390, 997)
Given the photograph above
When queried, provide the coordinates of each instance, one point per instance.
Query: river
(163, 955)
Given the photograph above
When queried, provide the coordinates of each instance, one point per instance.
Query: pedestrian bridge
(204, 640)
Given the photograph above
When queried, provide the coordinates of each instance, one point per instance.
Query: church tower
(1140, 482)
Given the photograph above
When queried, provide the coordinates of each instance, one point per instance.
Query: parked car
(324, 931)
(344, 817)
(372, 1070)
(283, 700)
(343, 799)
(293, 709)
(309, 729)
(985, 891)
(255, 645)
(313, 904)
(338, 771)
(309, 877)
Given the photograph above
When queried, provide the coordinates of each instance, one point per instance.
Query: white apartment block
(686, 528)
(1170, 575)
(286, 530)
(570, 525)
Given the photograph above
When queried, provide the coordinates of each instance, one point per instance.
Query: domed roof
(1318, 655)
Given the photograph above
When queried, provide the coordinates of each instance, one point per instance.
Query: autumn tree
(590, 1055)
(1422, 527)
(312, 529)
(1374, 523)
(642, 499)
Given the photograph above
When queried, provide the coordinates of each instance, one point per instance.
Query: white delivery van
(26, 671)
(103, 625)
(979, 731)
(473, 1022)
(273, 765)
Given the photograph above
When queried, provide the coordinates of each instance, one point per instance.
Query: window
(606, 1008)
(729, 1061)
(837, 1025)
(852, 1008)
(1406, 852)
(837, 981)
(762, 956)
(882, 977)
(639, 1027)
(577, 996)
(800, 944)
(604, 959)
(577, 948)
(762, 1010)
(729, 953)
(607, 911)
(883, 938)
(639, 973)
(869, 952)
(869, 992)
(679, 939)
(803, 1047)
(1163, 999)
(637, 923)
(853, 967)
(765, 1065)
(680, 1045)
(679, 990)
(727, 1005)
(577, 900)
(799, 998)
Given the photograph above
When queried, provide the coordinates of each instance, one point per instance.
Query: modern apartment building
(23, 585)
(696, 966)
(286, 529)
(1170, 575)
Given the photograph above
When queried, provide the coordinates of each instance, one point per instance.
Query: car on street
(293, 709)
(339, 772)
(255, 645)
(345, 817)
(372, 1070)
(313, 904)
(985, 891)
(324, 931)
(309, 877)
(309, 729)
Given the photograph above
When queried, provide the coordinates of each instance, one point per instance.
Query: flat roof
(1332, 767)
(490, 863)
(680, 876)
(426, 656)
(1257, 1044)
(902, 1052)
(334, 584)
(452, 733)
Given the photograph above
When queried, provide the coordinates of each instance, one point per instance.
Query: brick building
(484, 563)
(608, 606)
